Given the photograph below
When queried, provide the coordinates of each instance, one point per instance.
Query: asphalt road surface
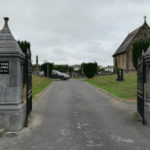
(72, 115)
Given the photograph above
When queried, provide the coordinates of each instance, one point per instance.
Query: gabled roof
(8, 44)
(123, 47)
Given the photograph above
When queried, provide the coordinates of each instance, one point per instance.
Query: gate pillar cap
(147, 55)
(8, 44)
(147, 52)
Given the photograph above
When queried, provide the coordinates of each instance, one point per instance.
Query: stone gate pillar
(147, 74)
(12, 108)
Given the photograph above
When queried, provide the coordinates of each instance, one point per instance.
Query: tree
(47, 67)
(100, 69)
(70, 69)
(138, 48)
(90, 69)
(61, 68)
(24, 45)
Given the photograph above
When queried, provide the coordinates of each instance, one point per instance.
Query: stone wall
(121, 61)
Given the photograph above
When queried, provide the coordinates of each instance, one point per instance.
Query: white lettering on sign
(4, 67)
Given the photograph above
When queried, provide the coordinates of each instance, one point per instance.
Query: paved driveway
(72, 115)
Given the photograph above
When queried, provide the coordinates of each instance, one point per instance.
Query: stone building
(109, 69)
(123, 55)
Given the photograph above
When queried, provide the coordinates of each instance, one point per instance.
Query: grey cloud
(73, 31)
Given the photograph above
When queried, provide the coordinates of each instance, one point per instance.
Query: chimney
(6, 21)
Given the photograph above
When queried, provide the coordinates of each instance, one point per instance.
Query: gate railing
(28, 86)
(140, 88)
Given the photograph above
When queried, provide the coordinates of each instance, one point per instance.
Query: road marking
(91, 144)
(121, 139)
(78, 125)
(64, 132)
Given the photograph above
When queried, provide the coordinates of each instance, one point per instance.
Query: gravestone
(12, 107)
(119, 75)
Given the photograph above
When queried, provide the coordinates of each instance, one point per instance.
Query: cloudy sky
(74, 31)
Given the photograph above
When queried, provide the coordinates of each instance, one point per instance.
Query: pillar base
(12, 117)
(147, 112)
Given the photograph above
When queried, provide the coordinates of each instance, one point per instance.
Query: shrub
(24, 45)
(90, 69)
(138, 47)
(45, 67)
(61, 68)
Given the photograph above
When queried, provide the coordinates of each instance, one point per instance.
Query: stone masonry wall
(121, 61)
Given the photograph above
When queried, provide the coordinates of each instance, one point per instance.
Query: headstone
(12, 108)
(147, 82)
(120, 75)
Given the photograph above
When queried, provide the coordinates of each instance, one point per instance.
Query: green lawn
(124, 89)
(76, 78)
(38, 84)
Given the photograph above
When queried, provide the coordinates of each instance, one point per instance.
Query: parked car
(59, 75)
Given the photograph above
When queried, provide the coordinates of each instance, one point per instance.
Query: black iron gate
(140, 88)
(28, 85)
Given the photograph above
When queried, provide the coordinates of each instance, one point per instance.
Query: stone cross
(37, 66)
(145, 19)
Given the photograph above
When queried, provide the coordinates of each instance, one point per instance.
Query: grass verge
(76, 78)
(126, 89)
(38, 84)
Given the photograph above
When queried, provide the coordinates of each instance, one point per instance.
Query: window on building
(119, 60)
(145, 36)
(123, 60)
